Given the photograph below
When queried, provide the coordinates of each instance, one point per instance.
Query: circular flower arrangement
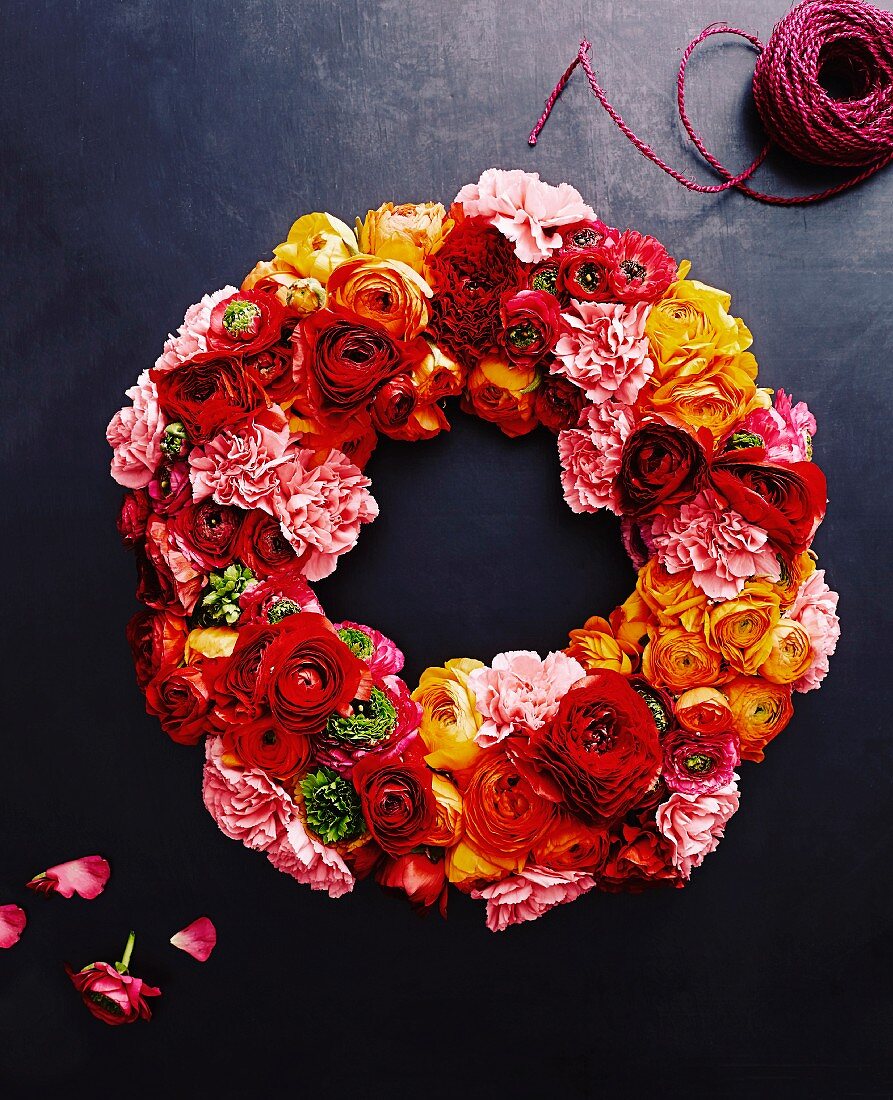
(529, 781)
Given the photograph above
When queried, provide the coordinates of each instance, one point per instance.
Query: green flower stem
(122, 966)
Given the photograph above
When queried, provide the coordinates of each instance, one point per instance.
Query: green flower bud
(739, 441)
(373, 720)
(332, 806)
(174, 440)
(220, 603)
(240, 317)
(281, 609)
(357, 641)
(655, 705)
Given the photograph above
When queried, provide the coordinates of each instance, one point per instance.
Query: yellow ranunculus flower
(630, 622)
(502, 393)
(595, 646)
(436, 375)
(790, 654)
(210, 641)
(671, 597)
(450, 718)
(465, 865)
(316, 244)
(387, 292)
(409, 232)
(679, 660)
(293, 290)
(717, 399)
(741, 629)
(447, 828)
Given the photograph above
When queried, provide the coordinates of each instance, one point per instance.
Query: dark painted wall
(152, 151)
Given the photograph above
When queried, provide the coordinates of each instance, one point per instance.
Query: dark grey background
(153, 151)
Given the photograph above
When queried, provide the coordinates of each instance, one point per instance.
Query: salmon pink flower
(197, 939)
(529, 894)
(135, 434)
(192, 335)
(111, 993)
(591, 454)
(85, 877)
(694, 823)
(604, 350)
(12, 923)
(815, 609)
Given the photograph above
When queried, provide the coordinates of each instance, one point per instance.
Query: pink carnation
(246, 804)
(135, 433)
(321, 507)
(604, 350)
(529, 894)
(303, 856)
(191, 336)
(722, 548)
(694, 824)
(590, 456)
(523, 208)
(239, 467)
(815, 608)
(786, 429)
(386, 659)
(520, 692)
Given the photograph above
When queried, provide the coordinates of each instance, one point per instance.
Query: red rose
(207, 533)
(786, 500)
(262, 546)
(397, 799)
(531, 321)
(155, 638)
(111, 996)
(583, 274)
(558, 403)
(262, 744)
(208, 393)
(394, 404)
(133, 516)
(503, 813)
(308, 673)
(418, 876)
(601, 750)
(246, 323)
(661, 465)
(179, 698)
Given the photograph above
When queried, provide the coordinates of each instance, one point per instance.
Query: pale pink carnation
(590, 456)
(239, 466)
(387, 659)
(529, 894)
(786, 429)
(321, 506)
(523, 208)
(246, 804)
(604, 350)
(135, 433)
(192, 335)
(303, 856)
(722, 548)
(815, 609)
(694, 824)
(520, 692)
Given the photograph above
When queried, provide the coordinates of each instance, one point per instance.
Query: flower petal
(85, 877)
(12, 921)
(197, 939)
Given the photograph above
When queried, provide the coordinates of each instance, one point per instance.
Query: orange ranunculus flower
(595, 646)
(703, 710)
(386, 292)
(502, 813)
(298, 293)
(465, 866)
(760, 711)
(503, 394)
(790, 654)
(716, 399)
(571, 845)
(671, 597)
(678, 660)
(793, 574)
(354, 436)
(435, 374)
(741, 629)
(409, 232)
(447, 828)
(316, 244)
(450, 718)
(630, 622)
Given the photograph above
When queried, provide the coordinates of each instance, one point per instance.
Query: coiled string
(844, 43)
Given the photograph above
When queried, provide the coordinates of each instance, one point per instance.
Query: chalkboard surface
(152, 151)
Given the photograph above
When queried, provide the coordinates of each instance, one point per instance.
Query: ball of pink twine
(823, 88)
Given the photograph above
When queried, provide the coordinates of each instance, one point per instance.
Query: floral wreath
(529, 781)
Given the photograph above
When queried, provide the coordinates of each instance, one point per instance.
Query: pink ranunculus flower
(163, 548)
(386, 659)
(246, 804)
(192, 335)
(694, 823)
(12, 924)
(529, 894)
(85, 877)
(524, 208)
(321, 506)
(604, 350)
(239, 466)
(135, 433)
(197, 939)
(722, 548)
(520, 692)
(815, 609)
(590, 456)
(786, 429)
(303, 856)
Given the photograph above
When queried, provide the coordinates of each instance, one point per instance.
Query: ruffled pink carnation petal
(246, 804)
(815, 608)
(786, 429)
(239, 467)
(12, 924)
(303, 856)
(85, 877)
(694, 823)
(135, 433)
(722, 548)
(192, 335)
(604, 350)
(521, 692)
(197, 939)
(523, 209)
(529, 894)
(590, 456)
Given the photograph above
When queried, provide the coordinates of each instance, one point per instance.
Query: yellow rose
(447, 828)
(386, 292)
(717, 399)
(671, 597)
(595, 646)
(408, 233)
(210, 641)
(760, 711)
(679, 660)
(464, 865)
(741, 629)
(316, 244)
(450, 718)
(790, 654)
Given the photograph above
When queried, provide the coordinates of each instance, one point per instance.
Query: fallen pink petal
(12, 923)
(85, 877)
(197, 939)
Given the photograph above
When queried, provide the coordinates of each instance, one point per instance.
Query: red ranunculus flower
(601, 750)
(661, 465)
(558, 403)
(273, 367)
(132, 517)
(503, 812)
(417, 875)
(207, 533)
(583, 274)
(582, 235)
(394, 404)
(397, 799)
(787, 501)
(531, 321)
(262, 546)
(262, 744)
(155, 582)
(246, 323)
(155, 638)
(639, 857)
(208, 393)
(179, 698)
(170, 489)
(113, 995)
(237, 685)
